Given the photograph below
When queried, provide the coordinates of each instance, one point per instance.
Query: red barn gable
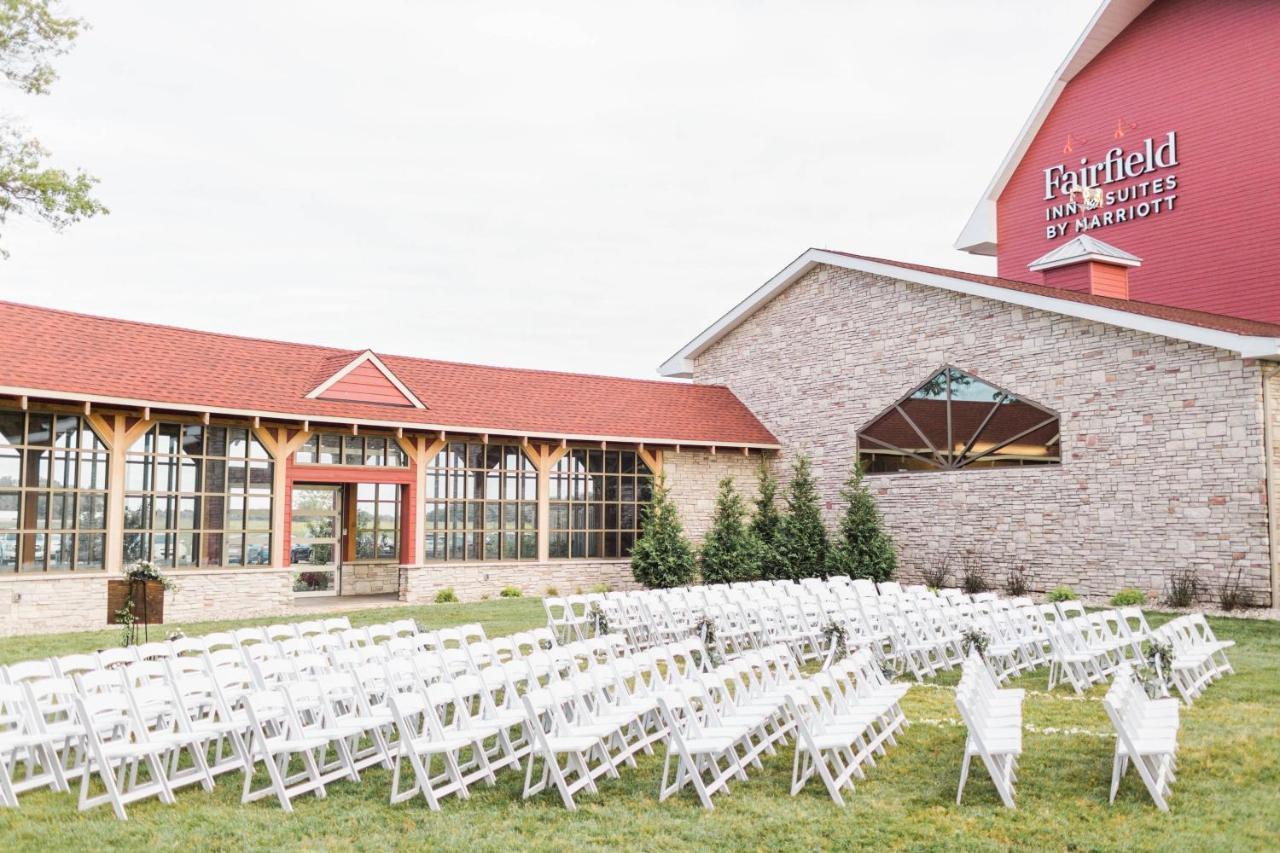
(1171, 109)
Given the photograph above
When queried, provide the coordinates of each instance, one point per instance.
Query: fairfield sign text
(1082, 201)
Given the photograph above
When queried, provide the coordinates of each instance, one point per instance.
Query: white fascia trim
(1079, 259)
(450, 429)
(680, 365)
(369, 356)
(1248, 346)
(979, 234)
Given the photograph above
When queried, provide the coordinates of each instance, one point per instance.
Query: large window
(597, 497)
(198, 496)
(481, 504)
(372, 451)
(377, 521)
(53, 502)
(954, 420)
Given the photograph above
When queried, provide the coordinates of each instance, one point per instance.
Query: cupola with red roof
(1087, 265)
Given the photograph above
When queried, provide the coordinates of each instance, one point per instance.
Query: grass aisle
(1227, 795)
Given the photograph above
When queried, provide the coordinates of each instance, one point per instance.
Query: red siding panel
(366, 384)
(1207, 70)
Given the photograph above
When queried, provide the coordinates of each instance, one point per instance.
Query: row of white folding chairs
(1146, 735)
(126, 718)
(847, 718)
(1199, 657)
(1088, 648)
(992, 717)
(67, 666)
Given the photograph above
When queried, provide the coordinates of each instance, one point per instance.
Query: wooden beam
(257, 421)
(88, 408)
(22, 402)
(651, 458)
(271, 443)
(442, 436)
(410, 447)
(105, 429)
(746, 451)
(399, 432)
(146, 413)
(355, 429)
(204, 419)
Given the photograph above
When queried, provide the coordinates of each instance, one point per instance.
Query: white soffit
(979, 234)
(680, 364)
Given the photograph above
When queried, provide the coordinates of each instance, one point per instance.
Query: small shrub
(551, 592)
(662, 556)
(446, 596)
(602, 588)
(1017, 583)
(510, 592)
(1233, 594)
(937, 572)
(1129, 597)
(1182, 589)
(1061, 593)
(972, 578)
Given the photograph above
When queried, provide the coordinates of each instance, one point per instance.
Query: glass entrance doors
(316, 537)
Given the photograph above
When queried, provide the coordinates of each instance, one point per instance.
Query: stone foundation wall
(694, 479)
(55, 603)
(1164, 464)
(370, 579)
(475, 581)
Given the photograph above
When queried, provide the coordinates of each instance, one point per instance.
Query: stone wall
(694, 479)
(475, 581)
(1163, 457)
(41, 604)
(370, 578)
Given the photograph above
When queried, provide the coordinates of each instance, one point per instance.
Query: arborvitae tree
(662, 556)
(802, 539)
(730, 551)
(766, 523)
(863, 549)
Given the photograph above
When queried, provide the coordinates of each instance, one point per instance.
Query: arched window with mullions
(953, 421)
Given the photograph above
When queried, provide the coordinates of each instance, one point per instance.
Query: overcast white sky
(574, 186)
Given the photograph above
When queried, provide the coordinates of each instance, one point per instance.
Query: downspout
(1273, 527)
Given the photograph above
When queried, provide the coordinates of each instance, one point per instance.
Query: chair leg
(964, 774)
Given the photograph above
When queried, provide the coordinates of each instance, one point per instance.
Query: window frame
(960, 461)
(147, 453)
(441, 511)
(624, 536)
(391, 448)
(29, 492)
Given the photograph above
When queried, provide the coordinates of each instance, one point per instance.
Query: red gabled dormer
(365, 379)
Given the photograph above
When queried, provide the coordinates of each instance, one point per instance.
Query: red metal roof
(1203, 319)
(44, 349)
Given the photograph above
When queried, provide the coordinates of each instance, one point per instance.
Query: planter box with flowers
(139, 597)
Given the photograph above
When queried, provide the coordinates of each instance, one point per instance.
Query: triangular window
(954, 420)
(365, 379)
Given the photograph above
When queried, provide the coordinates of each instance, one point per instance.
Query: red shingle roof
(60, 351)
(1203, 319)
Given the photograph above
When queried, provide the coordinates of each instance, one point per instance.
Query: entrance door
(316, 536)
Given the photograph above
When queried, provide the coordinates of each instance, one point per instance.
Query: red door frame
(336, 475)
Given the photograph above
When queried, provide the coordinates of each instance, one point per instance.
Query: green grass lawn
(1227, 795)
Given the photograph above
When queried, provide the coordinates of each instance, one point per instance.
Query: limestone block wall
(1164, 463)
(64, 602)
(370, 578)
(694, 479)
(474, 581)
